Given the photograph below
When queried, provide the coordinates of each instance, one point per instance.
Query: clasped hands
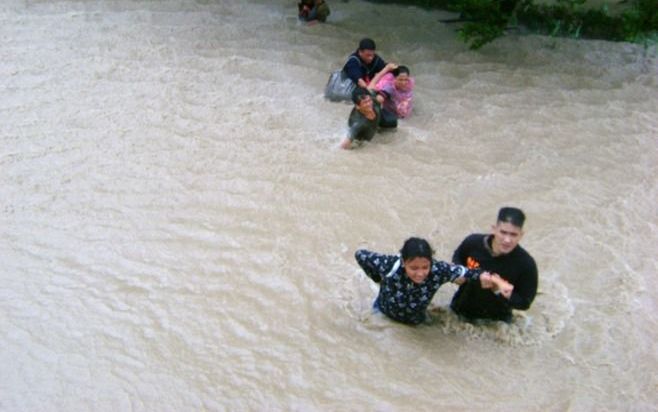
(494, 282)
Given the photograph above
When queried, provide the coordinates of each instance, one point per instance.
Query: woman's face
(417, 269)
(402, 81)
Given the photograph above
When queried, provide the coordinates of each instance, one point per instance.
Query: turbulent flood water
(178, 224)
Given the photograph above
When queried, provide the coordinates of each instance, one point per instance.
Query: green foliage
(486, 20)
(565, 18)
(570, 21)
(640, 23)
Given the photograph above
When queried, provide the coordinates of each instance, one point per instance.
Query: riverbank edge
(482, 21)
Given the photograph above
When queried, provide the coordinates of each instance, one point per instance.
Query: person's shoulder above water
(477, 239)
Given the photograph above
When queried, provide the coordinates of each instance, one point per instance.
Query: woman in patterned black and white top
(409, 281)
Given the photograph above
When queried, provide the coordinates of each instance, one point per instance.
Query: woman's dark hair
(415, 247)
(399, 70)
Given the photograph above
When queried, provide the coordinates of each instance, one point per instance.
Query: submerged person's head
(508, 230)
(366, 50)
(361, 98)
(416, 253)
(402, 77)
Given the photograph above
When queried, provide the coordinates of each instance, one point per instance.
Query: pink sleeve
(384, 82)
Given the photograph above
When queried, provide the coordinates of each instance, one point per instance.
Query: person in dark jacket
(499, 253)
(364, 63)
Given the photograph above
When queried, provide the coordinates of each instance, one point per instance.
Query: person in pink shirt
(395, 84)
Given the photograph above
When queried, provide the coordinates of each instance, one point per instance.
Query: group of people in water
(381, 92)
(494, 273)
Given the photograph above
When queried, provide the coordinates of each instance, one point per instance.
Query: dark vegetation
(482, 21)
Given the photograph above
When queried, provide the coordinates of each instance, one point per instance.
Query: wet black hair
(358, 94)
(400, 70)
(415, 247)
(511, 215)
(367, 44)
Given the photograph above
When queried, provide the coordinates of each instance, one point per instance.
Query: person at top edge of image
(366, 117)
(313, 11)
(498, 252)
(364, 63)
(395, 84)
(408, 281)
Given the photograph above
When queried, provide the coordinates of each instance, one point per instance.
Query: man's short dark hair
(358, 94)
(511, 215)
(367, 44)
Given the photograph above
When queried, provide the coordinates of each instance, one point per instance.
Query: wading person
(498, 252)
(396, 86)
(364, 63)
(313, 11)
(408, 281)
(358, 71)
(366, 117)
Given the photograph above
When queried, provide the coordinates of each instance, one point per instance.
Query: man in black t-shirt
(498, 252)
